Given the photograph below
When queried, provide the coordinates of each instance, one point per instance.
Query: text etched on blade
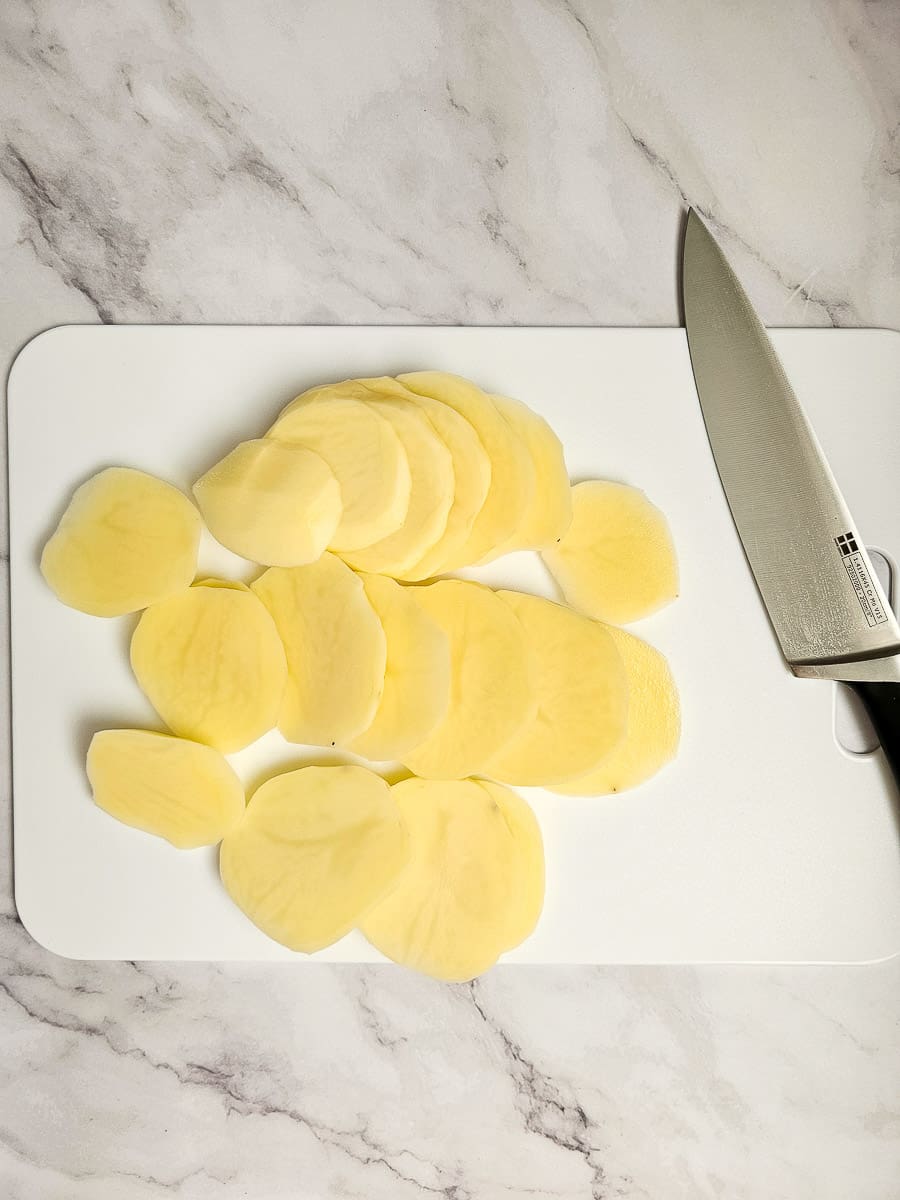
(861, 578)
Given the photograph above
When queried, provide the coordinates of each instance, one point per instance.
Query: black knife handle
(882, 703)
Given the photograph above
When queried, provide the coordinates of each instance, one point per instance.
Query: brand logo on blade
(861, 578)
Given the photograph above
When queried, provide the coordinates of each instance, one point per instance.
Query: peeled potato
(451, 911)
(512, 484)
(178, 790)
(654, 724)
(335, 646)
(549, 514)
(491, 693)
(529, 878)
(582, 696)
(273, 502)
(362, 450)
(416, 678)
(316, 849)
(125, 541)
(616, 562)
(211, 663)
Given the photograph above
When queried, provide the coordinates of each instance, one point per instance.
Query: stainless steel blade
(823, 598)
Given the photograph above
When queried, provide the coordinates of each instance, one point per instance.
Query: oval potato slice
(549, 514)
(416, 678)
(654, 724)
(316, 849)
(335, 646)
(125, 541)
(616, 562)
(276, 503)
(491, 692)
(582, 696)
(529, 880)
(211, 663)
(176, 789)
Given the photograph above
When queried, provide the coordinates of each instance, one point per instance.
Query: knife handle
(882, 703)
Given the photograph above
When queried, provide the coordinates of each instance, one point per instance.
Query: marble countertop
(412, 161)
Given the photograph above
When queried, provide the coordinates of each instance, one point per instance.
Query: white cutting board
(763, 842)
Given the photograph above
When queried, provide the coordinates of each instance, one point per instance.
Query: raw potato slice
(491, 693)
(617, 561)
(512, 471)
(315, 850)
(211, 663)
(430, 497)
(335, 646)
(654, 724)
(273, 502)
(365, 455)
(125, 541)
(528, 887)
(582, 696)
(451, 911)
(416, 678)
(178, 790)
(549, 514)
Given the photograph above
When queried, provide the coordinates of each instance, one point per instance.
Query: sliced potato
(529, 878)
(654, 724)
(211, 663)
(176, 789)
(616, 562)
(491, 692)
(416, 678)
(335, 646)
(451, 912)
(276, 503)
(364, 453)
(582, 696)
(549, 514)
(125, 541)
(512, 483)
(315, 850)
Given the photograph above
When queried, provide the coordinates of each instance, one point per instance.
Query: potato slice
(336, 650)
(315, 850)
(417, 674)
(616, 562)
(450, 912)
(273, 502)
(582, 696)
(125, 541)
(364, 453)
(654, 724)
(512, 484)
(549, 514)
(178, 790)
(211, 663)
(529, 879)
(491, 692)
(430, 497)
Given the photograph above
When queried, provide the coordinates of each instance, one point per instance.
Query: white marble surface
(412, 160)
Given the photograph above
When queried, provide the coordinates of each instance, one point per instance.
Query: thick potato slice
(528, 887)
(430, 497)
(125, 541)
(582, 696)
(364, 453)
(654, 724)
(336, 650)
(416, 678)
(549, 514)
(491, 692)
(211, 663)
(450, 912)
(616, 562)
(178, 790)
(276, 503)
(512, 483)
(316, 849)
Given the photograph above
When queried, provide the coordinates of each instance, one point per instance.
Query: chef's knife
(823, 598)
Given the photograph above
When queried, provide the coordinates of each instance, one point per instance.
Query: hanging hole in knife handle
(853, 730)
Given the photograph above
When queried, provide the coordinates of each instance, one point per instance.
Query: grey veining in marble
(407, 161)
